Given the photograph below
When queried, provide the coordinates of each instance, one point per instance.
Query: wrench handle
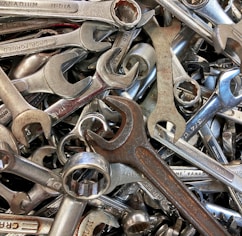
(156, 170)
(11, 97)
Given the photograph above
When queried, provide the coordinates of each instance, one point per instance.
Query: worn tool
(165, 110)
(23, 114)
(131, 141)
(50, 78)
(125, 13)
(82, 38)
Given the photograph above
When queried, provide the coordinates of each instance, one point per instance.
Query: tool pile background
(120, 117)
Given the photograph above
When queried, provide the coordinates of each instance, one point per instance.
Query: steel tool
(125, 13)
(165, 110)
(82, 38)
(23, 114)
(131, 141)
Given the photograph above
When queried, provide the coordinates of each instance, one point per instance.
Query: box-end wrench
(50, 78)
(165, 109)
(121, 13)
(131, 141)
(85, 177)
(209, 9)
(82, 37)
(23, 114)
(222, 99)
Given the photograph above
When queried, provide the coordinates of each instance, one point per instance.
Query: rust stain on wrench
(165, 109)
(130, 146)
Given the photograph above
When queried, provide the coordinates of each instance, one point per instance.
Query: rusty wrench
(23, 113)
(130, 146)
(165, 109)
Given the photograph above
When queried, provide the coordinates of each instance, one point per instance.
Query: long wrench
(165, 109)
(131, 141)
(125, 13)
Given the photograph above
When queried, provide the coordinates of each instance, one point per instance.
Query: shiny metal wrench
(23, 114)
(82, 38)
(50, 78)
(165, 110)
(125, 13)
(209, 9)
(222, 99)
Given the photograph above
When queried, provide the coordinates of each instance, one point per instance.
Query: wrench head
(106, 71)
(131, 129)
(87, 31)
(30, 117)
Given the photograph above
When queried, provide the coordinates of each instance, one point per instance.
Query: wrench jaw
(30, 117)
(106, 71)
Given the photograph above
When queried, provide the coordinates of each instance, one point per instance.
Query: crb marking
(18, 225)
(28, 45)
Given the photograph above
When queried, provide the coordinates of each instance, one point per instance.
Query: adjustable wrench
(82, 37)
(165, 109)
(23, 114)
(50, 78)
(131, 141)
(125, 13)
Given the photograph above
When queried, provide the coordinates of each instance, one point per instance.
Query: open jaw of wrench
(126, 14)
(23, 114)
(131, 141)
(165, 110)
(50, 78)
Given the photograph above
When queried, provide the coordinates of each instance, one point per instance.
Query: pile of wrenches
(120, 117)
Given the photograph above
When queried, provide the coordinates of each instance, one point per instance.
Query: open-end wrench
(165, 109)
(50, 78)
(121, 13)
(131, 141)
(82, 37)
(103, 79)
(221, 100)
(23, 113)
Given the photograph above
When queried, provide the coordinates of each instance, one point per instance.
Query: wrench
(85, 176)
(23, 114)
(125, 13)
(50, 78)
(209, 9)
(165, 109)
(103, 79)
(131, 141)
(222, 99)
(82, 37)
(24, 224)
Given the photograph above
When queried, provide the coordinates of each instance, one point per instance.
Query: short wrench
(82, 38)
(165, 110)
(104, 79)
(50, 78)
(131, 141)
(125, 13)
(222, 99)
(23, 114)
